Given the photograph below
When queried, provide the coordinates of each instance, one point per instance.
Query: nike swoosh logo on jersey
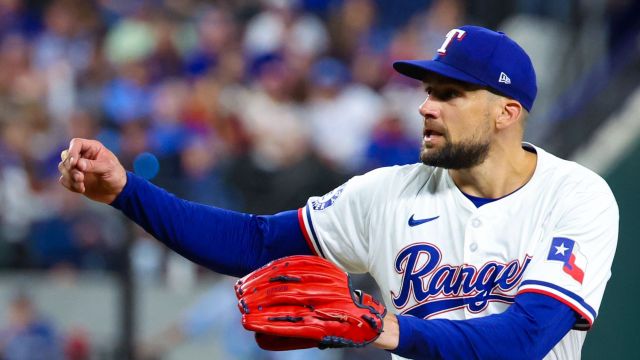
(414, 222)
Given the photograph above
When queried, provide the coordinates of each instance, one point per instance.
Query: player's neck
(503, 172)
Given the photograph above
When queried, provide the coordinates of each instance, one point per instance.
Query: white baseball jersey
(435, 255)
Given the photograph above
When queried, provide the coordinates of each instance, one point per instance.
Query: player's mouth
(431, 136)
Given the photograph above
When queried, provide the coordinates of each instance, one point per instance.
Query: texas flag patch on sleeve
(566, 251)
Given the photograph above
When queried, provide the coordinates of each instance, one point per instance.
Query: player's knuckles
(76, 175)
(65, 182)
(66, 176)
(75, 145)
(77, 186)
(70, 185)
(84, 165)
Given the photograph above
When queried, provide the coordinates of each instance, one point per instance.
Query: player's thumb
(94, 166)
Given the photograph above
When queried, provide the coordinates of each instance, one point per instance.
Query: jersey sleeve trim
(305, 233)
(567, 297)
(306, 225)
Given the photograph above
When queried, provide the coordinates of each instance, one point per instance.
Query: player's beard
(460, 155)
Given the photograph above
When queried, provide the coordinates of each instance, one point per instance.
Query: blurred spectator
(341, 115)
(73, 236)
(68, 35)
(281, 27)
(390, 145)
(27, 335)
(127, 95)
(274, 124)
(13, 17)
(19, 81)
(165, 61)
(280, 170)
(20, 202)
(351, 27)
(203, 180)
(216, 34)
(167, 131)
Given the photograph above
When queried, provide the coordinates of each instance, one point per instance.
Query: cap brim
(419, 69)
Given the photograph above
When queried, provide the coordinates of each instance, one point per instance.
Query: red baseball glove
(300, 302)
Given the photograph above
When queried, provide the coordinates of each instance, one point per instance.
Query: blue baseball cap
(480, 56)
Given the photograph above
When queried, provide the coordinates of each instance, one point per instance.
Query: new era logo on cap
(483, 57)
(504, 78)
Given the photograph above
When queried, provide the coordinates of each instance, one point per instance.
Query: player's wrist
(123, 189)
(390, 336)
(121, 181)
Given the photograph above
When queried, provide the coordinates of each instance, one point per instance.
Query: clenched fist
(89, 168)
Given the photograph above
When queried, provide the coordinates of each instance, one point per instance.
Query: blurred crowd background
(247, 105)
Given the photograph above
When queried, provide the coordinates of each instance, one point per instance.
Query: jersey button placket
(474, 233)
(475, 223)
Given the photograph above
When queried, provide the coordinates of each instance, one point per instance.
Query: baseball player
(488, 248)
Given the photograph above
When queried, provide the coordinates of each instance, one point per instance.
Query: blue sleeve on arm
(224, 241)
(529, 329)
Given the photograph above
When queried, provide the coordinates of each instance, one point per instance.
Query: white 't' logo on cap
(504, 78)
(459, 34)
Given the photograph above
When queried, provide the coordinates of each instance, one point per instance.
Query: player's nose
(429, 109)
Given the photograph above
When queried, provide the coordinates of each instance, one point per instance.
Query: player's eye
(443, 94)
(448, 94)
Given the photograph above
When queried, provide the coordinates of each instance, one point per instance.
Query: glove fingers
(276, 292)
(289, 322)
(283, 263)
(305, 301)
(294, 276)
(283, 321)
(268, 302)
(301, 262)
(289, 277)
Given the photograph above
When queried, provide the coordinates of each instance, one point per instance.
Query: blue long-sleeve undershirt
(224, 241)
(235, 244)
(528, 329)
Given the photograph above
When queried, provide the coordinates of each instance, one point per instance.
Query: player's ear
(510, 112)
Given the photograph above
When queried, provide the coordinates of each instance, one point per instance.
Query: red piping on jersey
(562, 300)
(305, 233)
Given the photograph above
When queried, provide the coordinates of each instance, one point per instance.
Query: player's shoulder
(378, 185)
(569, 176)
